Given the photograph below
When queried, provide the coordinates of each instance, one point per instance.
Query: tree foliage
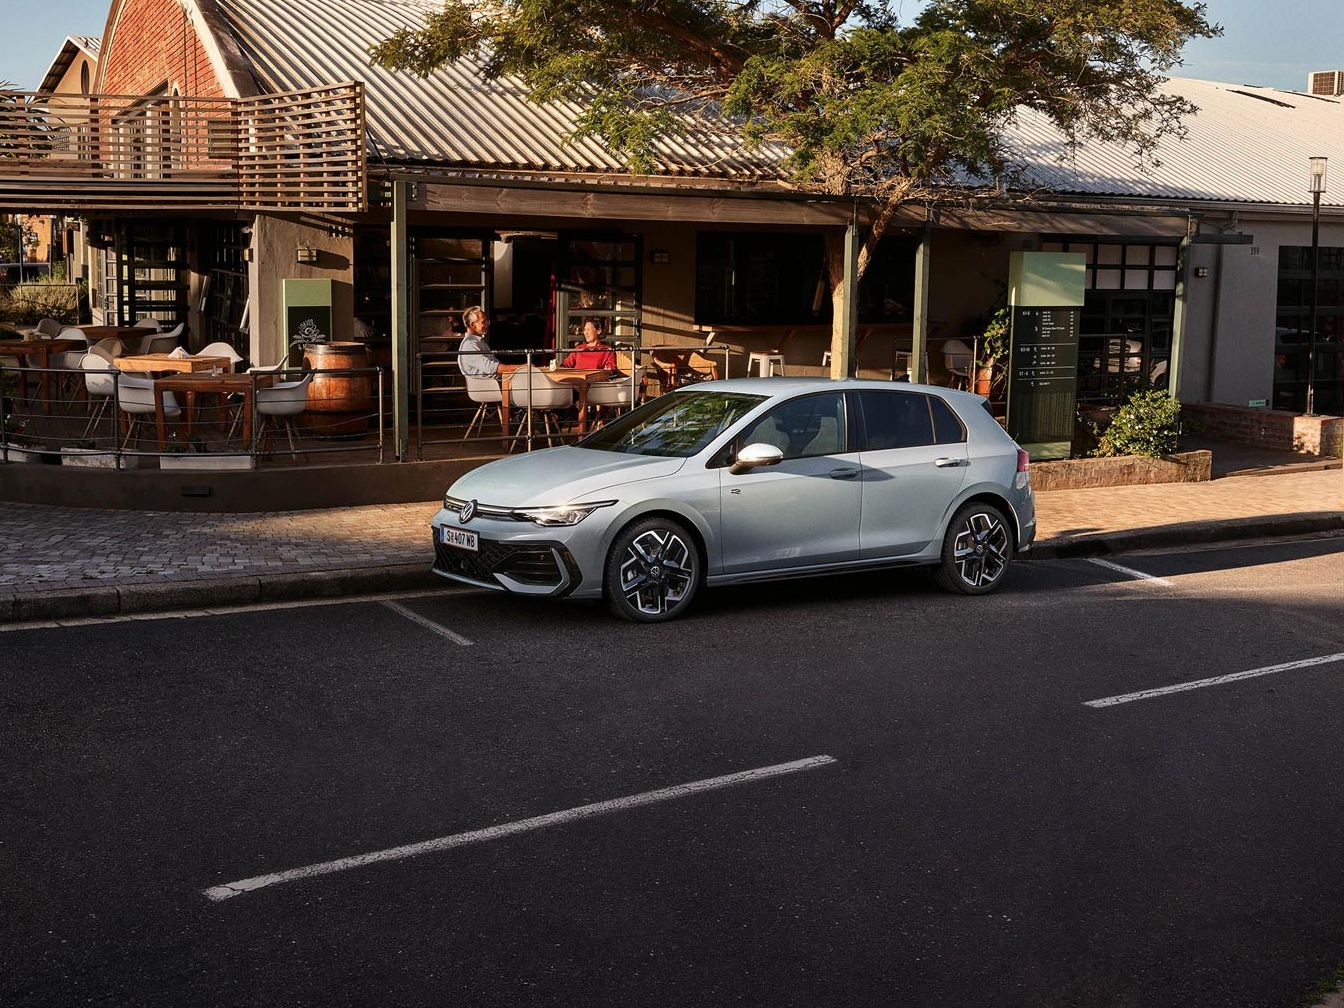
(867, 105)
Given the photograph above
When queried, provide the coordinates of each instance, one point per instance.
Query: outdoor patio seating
(135, 398)
(221, 349)
(100, 382)
(486, 393)
(957, 362)
(281, 403)
(533, 390)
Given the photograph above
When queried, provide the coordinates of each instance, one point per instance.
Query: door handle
(947, 463)
(843, 473)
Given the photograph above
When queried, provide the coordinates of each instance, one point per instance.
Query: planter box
(24, 455)
(1126, 470)
(88, 458)
(215, 463)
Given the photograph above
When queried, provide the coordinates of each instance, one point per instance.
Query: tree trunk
(842, 350)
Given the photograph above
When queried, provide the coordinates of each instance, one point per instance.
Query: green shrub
(1145, 425)
(47, 297)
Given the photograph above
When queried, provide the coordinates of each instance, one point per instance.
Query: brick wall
(150, 47)
(1318, 435)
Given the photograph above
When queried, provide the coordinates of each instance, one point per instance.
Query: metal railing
(105, 417)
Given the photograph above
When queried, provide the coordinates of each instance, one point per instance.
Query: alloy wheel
(657, 571)
(982, 549)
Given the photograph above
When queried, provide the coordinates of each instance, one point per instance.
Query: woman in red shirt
(594, 353)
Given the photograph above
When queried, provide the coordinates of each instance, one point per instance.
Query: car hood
(557, 476)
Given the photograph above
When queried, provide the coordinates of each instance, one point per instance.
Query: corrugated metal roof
(453, 117)
(1246, 144)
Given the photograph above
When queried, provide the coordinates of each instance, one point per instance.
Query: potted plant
(18, 445)
(86, 454)
(179, 455)
(991, 349)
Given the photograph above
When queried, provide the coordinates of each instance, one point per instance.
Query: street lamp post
(1317, 187)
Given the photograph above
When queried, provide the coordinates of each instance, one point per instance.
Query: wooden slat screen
(301, 150)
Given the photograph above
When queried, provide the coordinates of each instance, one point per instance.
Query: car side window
(895, 420)
(947, 427)
(808, 426)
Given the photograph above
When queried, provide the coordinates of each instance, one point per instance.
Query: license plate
(460, 538)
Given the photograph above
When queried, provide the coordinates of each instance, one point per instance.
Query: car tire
(653, 571)
(977, 551)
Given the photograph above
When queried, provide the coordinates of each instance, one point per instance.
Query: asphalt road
(982, 836)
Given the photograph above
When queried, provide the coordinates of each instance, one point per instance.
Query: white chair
(221, 349)
(148, 323)
(100, 382)
(485, 392)
(957, 362)
(616, 393)
(165, 343)
(135, 398)
(282, 402)
(70, 360)
(109, 349)
(533, 390)
(47, 328)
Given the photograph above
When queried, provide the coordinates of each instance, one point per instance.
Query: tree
(864, 105)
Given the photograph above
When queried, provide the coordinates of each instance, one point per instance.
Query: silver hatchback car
(747, 480)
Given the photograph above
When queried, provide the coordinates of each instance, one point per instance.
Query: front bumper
(532, 568)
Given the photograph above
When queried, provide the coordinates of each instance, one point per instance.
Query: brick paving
(47, 548)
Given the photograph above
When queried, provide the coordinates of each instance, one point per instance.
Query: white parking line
(428, 624)
(1129, 571)
(178, 614)
(1214, 681)
(230, 889)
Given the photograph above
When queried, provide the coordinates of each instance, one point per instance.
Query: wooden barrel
(343, 404)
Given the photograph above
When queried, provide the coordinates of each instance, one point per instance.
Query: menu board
(1043, 379)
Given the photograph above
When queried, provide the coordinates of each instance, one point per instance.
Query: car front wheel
(977, 551)
(653, 571)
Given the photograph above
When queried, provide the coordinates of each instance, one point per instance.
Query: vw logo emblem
(468, 512)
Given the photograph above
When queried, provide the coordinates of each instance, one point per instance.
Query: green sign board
(307, 311)
(1046, 292)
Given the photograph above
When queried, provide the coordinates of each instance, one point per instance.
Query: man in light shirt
(474, 355)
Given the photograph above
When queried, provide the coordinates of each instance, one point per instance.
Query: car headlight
(568, 514)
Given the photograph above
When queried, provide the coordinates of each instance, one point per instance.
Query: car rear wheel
(653, 571)
(977, 551)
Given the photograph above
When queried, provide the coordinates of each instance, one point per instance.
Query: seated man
(594, 353)
(474, 355)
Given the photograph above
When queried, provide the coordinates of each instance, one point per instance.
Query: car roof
(781, 385)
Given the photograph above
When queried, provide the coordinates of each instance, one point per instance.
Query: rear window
(947, 428)
(895, 420)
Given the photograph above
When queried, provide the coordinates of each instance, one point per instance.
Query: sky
(1273, 43)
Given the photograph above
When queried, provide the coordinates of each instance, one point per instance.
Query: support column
(842, 353)
(1181, 319)
(401, 323)
(919, 340)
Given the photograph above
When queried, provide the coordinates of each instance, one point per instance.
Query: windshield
(676, 425)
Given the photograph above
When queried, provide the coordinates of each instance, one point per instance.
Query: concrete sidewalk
(68, 562)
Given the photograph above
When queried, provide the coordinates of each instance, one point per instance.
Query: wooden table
(669, 360)
(222, 384)
(42, 350)
(164, 363)
(577, 378)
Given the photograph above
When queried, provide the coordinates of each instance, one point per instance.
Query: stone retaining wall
(1315, 435)
(1125, 470)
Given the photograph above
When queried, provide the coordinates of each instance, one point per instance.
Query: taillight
(1023, 478)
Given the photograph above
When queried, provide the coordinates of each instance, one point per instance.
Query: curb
(165, 596)
(1190, 532)
(168, 596)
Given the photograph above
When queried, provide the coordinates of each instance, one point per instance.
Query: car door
(914, 464)
(803, 511)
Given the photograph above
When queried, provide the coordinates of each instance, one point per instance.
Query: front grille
(529, 564)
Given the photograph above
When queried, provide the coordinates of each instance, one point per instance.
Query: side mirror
(753, 456)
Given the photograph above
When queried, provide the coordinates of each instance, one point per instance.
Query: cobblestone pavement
(45, 548)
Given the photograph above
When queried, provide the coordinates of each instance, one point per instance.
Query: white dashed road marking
(428, 624)
(1214, 681)
(1129, 571)
(223, 892)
